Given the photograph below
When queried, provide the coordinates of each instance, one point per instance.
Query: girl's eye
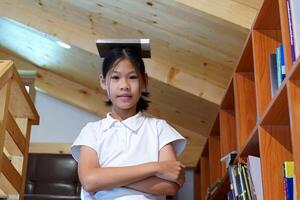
(115, 77)
(133, 77)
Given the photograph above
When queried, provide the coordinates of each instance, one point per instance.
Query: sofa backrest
(53, 174)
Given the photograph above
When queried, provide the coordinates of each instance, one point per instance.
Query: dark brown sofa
(52, 177)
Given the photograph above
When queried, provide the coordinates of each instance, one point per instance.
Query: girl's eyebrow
(131, 72)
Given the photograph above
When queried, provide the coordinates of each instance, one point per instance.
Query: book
(254, 166)
(278, 65)
(295, 14)
(273, 74)
(140, 46)
(282, 62)
(291, 30)
(288, 174)
(211, 190)
(245, 176)
(295, 190)
(229, 158)
(230, 195)
(233, 184)
(239, 183)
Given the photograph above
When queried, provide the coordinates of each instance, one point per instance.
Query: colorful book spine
(252, 189)
(288, 174)
(232, 179)
(295, 13)
(291, 30)
(254, 167)
(278, 60)
(230, 195)
(282, 62)
(246, 182)
(238, 180)
(273, 74)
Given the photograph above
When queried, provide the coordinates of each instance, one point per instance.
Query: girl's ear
(102, 82)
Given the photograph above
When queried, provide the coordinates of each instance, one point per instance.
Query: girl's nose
(125, 85)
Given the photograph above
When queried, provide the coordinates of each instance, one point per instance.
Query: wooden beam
(256, 4)
(62, 88)
(233, 11)
(51, 22)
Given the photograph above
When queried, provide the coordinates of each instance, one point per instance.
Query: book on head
(140, 46)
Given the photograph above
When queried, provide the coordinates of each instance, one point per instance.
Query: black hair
(116, 55)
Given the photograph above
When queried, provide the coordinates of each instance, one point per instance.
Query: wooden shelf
(275, 148)
(277, 111)
(251, 146)
(246, 115)
(214, 158)
(204, 171)
(228, 100)
(295, 71)
(221, 192)
(245, 63)
(268, 17)
(265, 42)
(250, 120)
(215, 130)
(227, 124)
(293, 90)
(197, 181)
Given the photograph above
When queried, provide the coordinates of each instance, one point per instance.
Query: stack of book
(293, 12)
(277, 69)
(245, 180)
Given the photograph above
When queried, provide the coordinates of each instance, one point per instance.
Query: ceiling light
(64, 45)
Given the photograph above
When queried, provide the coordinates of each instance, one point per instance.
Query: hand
(181, 179)
(171, 170)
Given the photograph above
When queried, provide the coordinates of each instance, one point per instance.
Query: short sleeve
(87, 137)
(167, 134)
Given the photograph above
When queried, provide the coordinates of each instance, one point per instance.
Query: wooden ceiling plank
(229, 10)
(255, 4)
(139, 15)
(151, 70)
(187, 60)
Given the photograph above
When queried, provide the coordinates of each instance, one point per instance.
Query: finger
(182, 181)
(179, 183)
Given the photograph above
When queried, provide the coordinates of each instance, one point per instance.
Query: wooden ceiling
(195, 45)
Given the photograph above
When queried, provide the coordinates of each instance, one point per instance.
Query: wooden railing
(17, 114)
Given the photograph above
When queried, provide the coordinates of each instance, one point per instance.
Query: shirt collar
(133, 123)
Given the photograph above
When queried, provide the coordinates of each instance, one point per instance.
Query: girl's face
(124, 86)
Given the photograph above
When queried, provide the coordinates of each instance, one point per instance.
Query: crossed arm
(160, 178)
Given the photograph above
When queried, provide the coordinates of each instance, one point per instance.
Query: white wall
(61, 123)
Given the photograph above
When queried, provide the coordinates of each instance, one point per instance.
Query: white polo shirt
(133, 141)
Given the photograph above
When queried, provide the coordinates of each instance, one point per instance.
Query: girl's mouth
(124, 97)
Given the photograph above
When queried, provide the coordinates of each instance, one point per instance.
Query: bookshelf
(250, 120)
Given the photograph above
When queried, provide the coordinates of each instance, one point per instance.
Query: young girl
(128, 156)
